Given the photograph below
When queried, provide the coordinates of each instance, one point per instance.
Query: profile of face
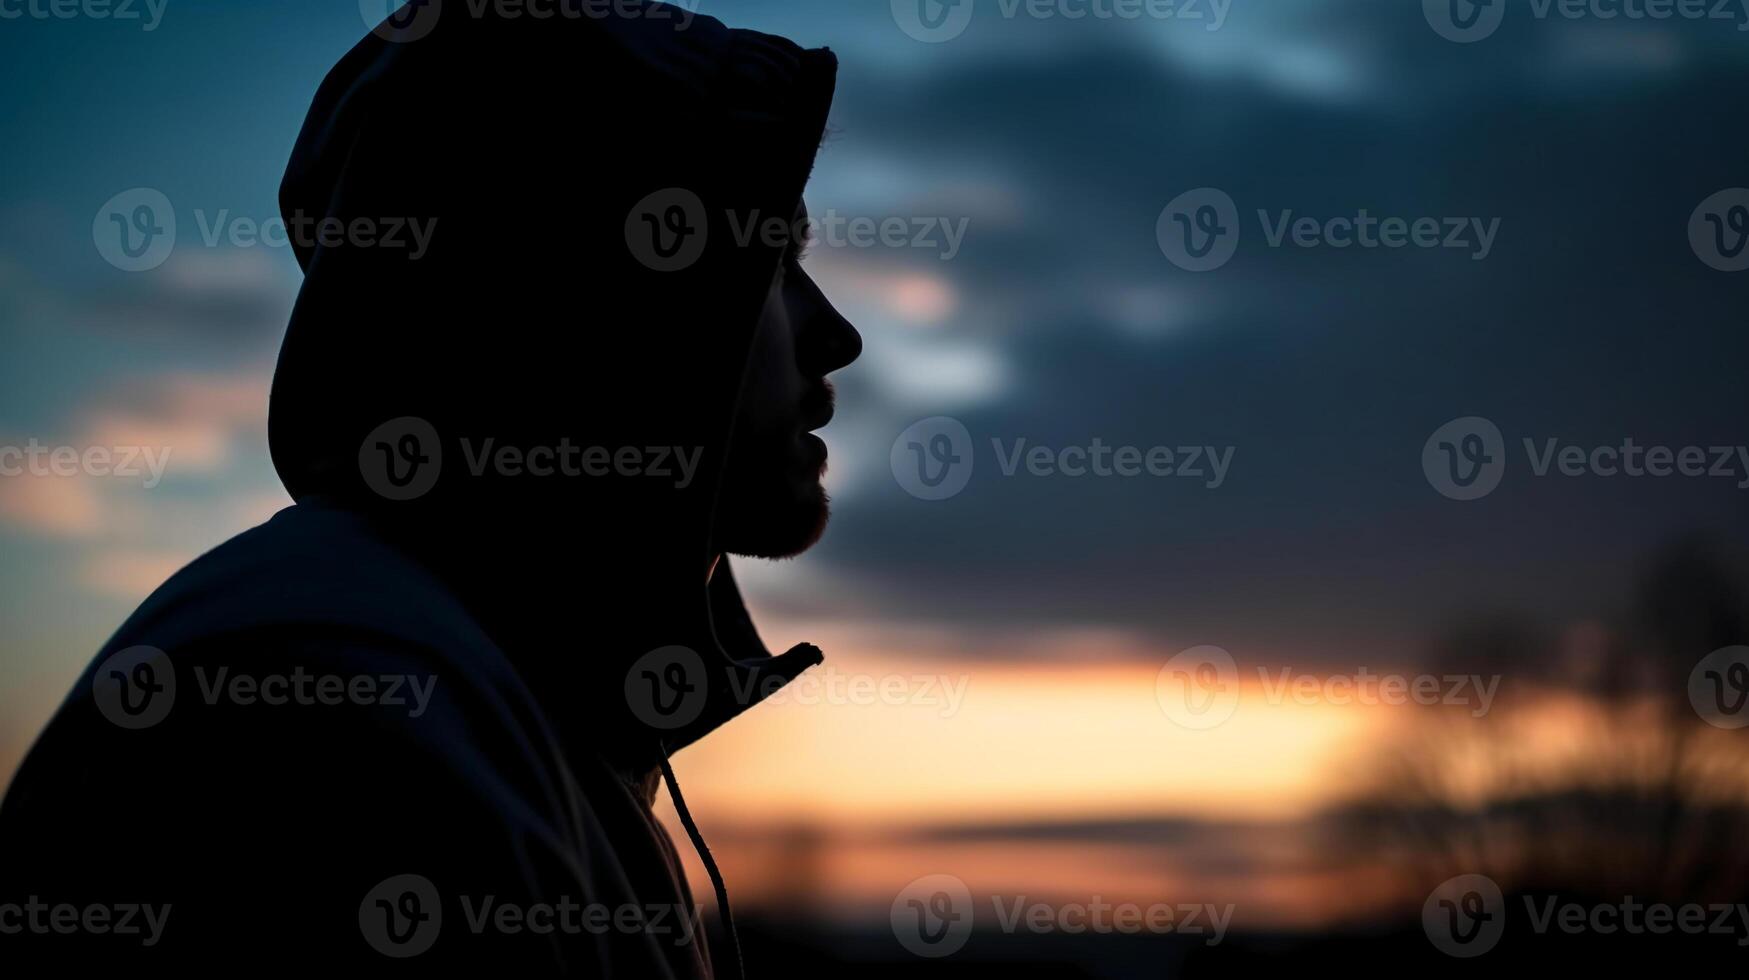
(772, 503)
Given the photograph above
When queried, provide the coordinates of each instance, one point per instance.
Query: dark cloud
(1590, 320)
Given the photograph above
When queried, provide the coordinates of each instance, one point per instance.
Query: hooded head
(552, 336)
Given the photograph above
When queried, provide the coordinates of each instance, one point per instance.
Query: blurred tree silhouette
(1592, 777)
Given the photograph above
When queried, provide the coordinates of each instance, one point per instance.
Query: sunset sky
(1051, 604)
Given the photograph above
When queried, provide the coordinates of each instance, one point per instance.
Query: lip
(822, 410)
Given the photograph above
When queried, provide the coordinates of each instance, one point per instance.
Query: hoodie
(417, 719)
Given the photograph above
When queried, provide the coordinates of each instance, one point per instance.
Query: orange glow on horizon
(960, 740)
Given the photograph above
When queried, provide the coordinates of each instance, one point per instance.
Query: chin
(775, 507)
(780, 524)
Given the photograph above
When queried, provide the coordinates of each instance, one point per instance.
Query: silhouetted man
(417, 720)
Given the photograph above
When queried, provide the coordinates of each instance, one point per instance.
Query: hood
(572, 276)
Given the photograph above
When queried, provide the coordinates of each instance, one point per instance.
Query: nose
(828, 341)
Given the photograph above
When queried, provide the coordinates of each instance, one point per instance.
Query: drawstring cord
(710, 864)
